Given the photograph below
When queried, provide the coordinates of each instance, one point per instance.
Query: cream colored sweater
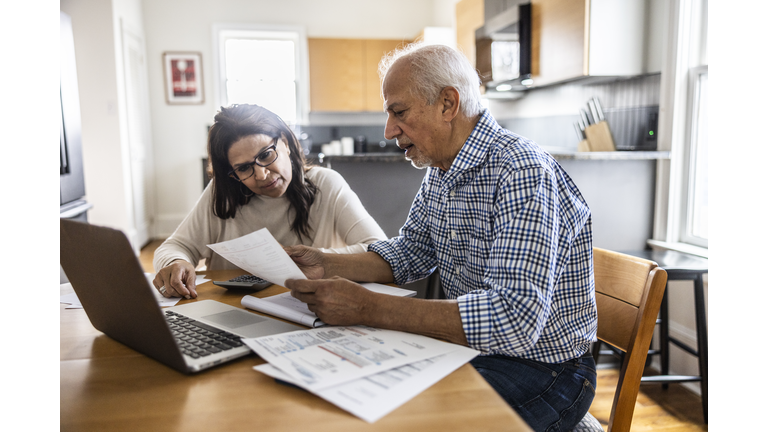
(337, 219)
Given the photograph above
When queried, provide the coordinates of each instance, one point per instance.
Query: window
(265, 66)
(682, 221)
(694, 178)
(695, 227)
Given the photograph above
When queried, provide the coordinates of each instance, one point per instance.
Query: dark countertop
(559, 154)
(673, 260)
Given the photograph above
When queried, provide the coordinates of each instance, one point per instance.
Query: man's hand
(310, 260)
(178, 278)
(336, 301)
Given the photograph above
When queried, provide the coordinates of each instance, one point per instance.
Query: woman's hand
(178, 279)
(310, 260)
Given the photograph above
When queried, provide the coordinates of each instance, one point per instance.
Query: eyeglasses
(264, 159)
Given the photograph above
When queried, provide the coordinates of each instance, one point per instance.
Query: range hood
(503, 53)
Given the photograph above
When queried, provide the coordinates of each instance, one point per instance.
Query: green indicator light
(650, 133)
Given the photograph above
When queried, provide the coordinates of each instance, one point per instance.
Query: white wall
(94, 36)
(179, 131)
(100, 74)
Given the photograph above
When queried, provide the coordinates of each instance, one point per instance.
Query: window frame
(688, 170)
(685, 52)
(297, 34)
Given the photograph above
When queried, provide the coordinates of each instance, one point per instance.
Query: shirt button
(453, 234)
(458, 270)
(453, 194)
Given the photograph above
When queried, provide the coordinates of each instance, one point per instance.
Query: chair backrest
(628, 291)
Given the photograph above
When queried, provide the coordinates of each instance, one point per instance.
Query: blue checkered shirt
(512, 238)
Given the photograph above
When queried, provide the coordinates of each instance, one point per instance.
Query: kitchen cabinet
(335, 74)
(579, 38)
(375, 49)
(343, 73)
(469, 17)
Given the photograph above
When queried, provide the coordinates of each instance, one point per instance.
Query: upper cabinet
(578, 38)
(343, 73)
(469, 17)
(569, 39)
(375, 49)
(335, 74)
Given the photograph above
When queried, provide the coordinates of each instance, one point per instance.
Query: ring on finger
(162, 289)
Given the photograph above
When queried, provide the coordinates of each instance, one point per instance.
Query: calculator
(249, 282)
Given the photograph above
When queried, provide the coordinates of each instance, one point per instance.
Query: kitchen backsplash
(545, 115)
(374, 136)
(632, 128)
(325, 127)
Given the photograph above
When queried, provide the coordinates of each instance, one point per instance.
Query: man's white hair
(435, 67)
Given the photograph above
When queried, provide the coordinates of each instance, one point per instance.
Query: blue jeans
(549, 397)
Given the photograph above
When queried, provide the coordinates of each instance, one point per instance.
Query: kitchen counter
(565, 154)
(558, 153)
(619, 187)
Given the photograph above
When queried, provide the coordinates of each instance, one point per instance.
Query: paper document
(284, 306)
(324, 357)
(74, 302)
(386, 289)
(261, 255)
(288, 307)
(375, 396)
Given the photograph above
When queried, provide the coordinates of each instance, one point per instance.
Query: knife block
(583, 146)
(599, 137)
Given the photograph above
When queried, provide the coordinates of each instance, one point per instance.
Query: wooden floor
(676, 409)
(673, 410)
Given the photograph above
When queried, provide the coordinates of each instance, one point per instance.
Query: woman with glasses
(261, 180)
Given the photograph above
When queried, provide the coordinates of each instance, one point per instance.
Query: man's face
(418, 127)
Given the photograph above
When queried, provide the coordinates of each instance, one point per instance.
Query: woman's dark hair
(239, 121)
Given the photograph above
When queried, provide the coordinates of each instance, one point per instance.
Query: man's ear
(449, 97)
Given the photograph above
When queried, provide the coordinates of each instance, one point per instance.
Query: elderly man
(508, 230)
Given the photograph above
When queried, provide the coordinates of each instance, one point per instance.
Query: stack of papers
(288, 307)
(74, 302)
(366, 371)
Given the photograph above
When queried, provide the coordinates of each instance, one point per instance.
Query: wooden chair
(628, 291)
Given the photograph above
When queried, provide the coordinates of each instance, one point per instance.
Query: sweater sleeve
(352, 223)
(189, 241)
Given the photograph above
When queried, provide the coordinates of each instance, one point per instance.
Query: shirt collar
(474, 151)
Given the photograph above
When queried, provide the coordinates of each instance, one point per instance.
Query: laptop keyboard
(198, 339)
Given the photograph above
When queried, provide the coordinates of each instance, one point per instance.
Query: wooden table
(107, 386)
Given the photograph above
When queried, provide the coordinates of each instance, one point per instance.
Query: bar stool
(680, 266)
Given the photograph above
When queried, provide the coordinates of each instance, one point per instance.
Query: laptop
(118, 299)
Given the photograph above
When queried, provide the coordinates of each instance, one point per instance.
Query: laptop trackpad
(234, 319)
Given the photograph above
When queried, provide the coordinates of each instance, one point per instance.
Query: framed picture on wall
(183, 77)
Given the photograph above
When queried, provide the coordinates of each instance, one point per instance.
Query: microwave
(503, 51)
